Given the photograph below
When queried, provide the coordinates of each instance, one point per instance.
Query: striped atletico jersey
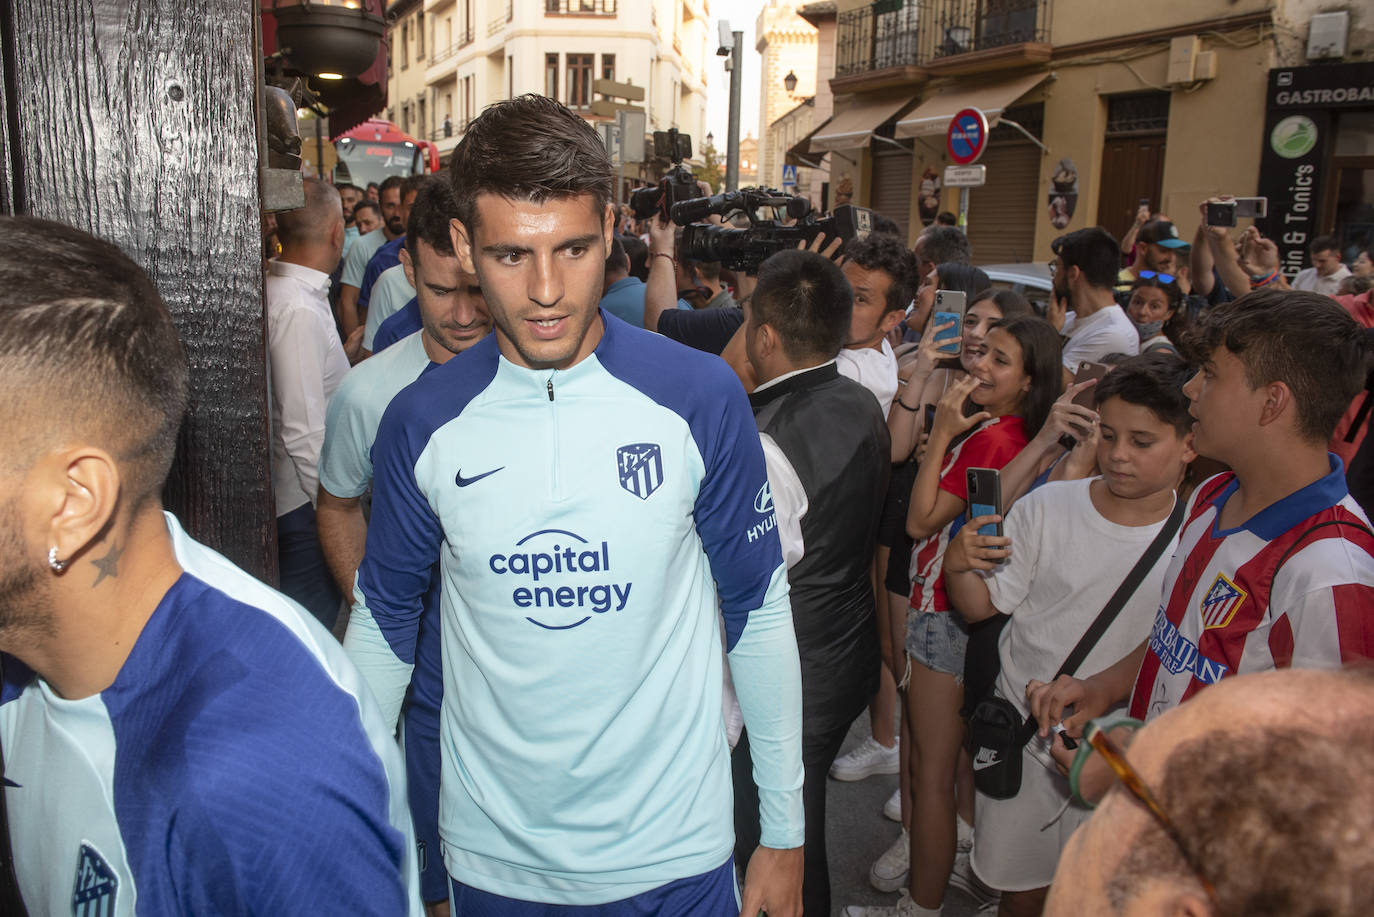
(1226, 612)
(991, 445)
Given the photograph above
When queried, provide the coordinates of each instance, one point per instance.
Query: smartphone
(929, 418)
(1089, 370)
(1144, 202)
(1252, 208)
(985, 497)
(949, 307)
(1221, 213)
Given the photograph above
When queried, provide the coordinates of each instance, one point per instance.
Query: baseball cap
(1161, 232)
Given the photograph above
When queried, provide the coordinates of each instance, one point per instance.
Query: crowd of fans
(1190, 514)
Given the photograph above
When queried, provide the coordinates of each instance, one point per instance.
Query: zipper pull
(550, 387)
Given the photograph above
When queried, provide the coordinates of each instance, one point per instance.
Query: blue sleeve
(404, 538)
(369, 280)
(403, 324)
(299, 829)
(734, 507)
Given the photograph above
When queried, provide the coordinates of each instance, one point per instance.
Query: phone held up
(949, 307)
(985, 497)
(1087, 397)
(1225, 213)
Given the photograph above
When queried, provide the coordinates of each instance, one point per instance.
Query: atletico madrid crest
(640, 466)
(1220, 604)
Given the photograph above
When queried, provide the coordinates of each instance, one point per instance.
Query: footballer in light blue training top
(590, 491)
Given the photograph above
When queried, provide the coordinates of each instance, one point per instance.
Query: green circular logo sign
(1294, 137)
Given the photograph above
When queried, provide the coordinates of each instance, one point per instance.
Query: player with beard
(175, 733)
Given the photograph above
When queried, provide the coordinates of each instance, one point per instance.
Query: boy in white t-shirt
(1067, 547)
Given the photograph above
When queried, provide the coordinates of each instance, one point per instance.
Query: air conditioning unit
(1326, 37)
(1183, 52)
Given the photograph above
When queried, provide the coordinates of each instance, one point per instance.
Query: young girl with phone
(1004, 399)
(927, 375)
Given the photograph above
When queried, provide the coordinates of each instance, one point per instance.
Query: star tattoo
(108, 565)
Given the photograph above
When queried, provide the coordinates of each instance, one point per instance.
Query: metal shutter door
(1002, 213)
(892, 186)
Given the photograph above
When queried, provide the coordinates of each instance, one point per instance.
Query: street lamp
(789, 82)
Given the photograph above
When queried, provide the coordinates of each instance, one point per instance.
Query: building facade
(787, 44)
(471, 53)
(1097, 105)
(410, 47)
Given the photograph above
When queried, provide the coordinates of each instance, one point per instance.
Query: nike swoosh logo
(982, 761)
(464, 482)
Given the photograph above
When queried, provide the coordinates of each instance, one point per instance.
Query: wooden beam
(136, 121)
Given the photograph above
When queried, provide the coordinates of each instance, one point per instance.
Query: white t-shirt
(875, 370)
(1308, 279)
(1106, 331)
(1066, 561)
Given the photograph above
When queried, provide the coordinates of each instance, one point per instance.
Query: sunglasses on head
(1151, 275)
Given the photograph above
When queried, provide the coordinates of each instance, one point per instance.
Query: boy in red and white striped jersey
(1275, 564)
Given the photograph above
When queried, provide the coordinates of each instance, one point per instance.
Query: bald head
(315, 223)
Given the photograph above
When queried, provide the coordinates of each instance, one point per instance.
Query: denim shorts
(937, 640)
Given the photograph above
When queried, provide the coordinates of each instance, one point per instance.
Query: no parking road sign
(967, 137)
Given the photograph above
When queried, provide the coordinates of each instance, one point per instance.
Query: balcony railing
(463, 40)
(500, 22)
(915, 33)
(580, 7)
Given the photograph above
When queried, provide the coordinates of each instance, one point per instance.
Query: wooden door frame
(1333, 187)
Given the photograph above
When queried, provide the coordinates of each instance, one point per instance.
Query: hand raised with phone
(970, 550)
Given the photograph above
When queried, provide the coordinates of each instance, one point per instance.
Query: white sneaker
(867, 758)
(892, 809)
(962, 877)
(904, 907)
(889, 871)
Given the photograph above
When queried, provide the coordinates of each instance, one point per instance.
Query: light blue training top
(587, 522)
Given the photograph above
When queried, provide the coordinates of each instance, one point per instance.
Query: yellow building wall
(1215, 135)
(1089, 20)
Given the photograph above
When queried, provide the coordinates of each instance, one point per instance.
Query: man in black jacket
(826, 445)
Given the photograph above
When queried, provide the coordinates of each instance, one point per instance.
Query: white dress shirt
(1308, 279)
(875, 370)
(306, 363)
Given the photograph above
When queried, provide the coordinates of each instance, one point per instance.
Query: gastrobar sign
(1298, 131)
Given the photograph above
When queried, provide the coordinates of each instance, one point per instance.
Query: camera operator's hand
(662, 236)
(832, 250)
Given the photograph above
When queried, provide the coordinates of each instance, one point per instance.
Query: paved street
(858, 834)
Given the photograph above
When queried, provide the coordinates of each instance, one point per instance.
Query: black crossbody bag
(997, 732)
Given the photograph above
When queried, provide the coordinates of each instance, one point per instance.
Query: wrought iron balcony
(461, 41)
(923, 33)
(580, 7)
